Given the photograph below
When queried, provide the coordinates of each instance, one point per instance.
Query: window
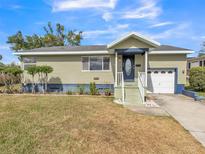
(155, 72)
(106, 63)
(85, 62)
(149, 72)
(28, 62)
(200, 63)
(189, 65)
(96, 63)
(170, 72)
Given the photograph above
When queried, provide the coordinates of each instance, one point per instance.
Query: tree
(53, 37)
(46, 70)
(73, 39)
(197, 78)
(1, 64)
(9, 76)
(202, 51)
(32, 70)
(17, 41)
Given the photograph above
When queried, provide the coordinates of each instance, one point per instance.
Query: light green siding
(132, 43)
(170, 61)
(68, 70)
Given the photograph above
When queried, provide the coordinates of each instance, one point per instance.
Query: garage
(161, 80)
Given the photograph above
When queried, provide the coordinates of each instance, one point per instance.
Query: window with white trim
(28, 62)
(95, 63)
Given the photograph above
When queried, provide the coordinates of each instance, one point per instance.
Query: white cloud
(4, 47)
(111, 31)
(15, 6)
(180, 31)
(148, 9)
(107, 16)
(65, 5)
(162, 24)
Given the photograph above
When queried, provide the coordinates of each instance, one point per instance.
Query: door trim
(123, 70)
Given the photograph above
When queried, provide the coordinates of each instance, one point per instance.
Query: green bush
(107, 92)
(197, 78)
(93, 89)
(81, 89)
(69, 92)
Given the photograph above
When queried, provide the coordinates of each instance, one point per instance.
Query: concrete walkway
(190, 114)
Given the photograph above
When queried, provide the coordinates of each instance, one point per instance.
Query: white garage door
(161, 81)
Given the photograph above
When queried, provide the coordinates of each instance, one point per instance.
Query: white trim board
(172, 52)
(64, 53)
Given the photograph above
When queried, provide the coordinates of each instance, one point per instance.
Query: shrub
(107, 92)
(93, 89)
(9, 76)
(81, 89)
(69, 92)
(197, 78)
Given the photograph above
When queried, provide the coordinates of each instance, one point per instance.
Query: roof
(95, 49)
(137, 36)
(69, 48)
(196, 58)
(169, 48)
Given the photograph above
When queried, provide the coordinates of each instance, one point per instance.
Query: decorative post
(146, 63)
(116, 69)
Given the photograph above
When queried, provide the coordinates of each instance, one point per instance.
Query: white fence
(121, 83)
(141, 85)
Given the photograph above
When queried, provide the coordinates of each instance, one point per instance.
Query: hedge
(197, 78)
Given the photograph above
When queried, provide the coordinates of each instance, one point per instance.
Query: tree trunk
(33, 85)
(46, 83)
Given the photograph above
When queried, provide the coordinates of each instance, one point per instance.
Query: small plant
(93, 89)
(107, 92)
(69, 92)
(81, 89)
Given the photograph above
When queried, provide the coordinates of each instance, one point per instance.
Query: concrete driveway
(190, 114)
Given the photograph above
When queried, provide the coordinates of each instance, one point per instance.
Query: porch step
(132, 96)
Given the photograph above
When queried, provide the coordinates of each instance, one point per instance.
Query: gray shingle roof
(69, 48)
(95, 48)
(169, 48)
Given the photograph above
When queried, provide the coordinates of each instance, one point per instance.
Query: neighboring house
(195, 62)
(135, 59)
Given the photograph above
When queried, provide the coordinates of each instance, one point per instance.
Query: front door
(128, 67)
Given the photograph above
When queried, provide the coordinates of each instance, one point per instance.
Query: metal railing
(141, 85)
(121, 83)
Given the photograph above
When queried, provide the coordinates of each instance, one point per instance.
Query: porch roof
(132, 50)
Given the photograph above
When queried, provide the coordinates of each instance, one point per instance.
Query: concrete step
(132, 96)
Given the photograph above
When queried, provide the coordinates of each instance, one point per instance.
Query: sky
(173, 22)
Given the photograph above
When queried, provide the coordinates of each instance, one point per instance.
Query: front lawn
(67, 124)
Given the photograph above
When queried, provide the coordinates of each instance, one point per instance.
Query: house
(131, 66)
(195, 62)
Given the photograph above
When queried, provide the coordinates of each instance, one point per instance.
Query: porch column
(146, 63)
(116, 69)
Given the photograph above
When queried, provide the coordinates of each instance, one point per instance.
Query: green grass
(69, 124)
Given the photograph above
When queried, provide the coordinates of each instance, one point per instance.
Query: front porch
(131, 75)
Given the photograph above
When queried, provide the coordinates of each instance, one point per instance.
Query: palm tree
(32, 70)
(46, 70)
